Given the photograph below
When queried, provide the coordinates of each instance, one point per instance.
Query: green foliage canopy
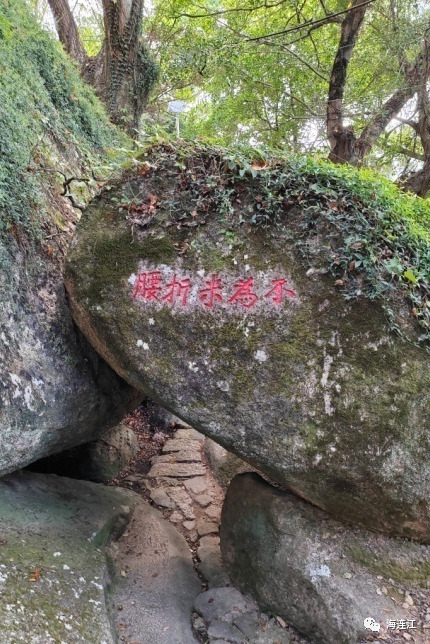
(251, 73)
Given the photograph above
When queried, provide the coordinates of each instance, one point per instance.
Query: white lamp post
(176, 108)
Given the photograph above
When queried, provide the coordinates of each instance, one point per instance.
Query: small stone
(203, 499)
(161, 498)
(219, 629)
(177, 493)
(177, 470)
(169, 482)
(248, 624)
(209, 541)
(206, 527)
(199, 624)
(213, 512)
(176, 517)
(183, 501)
(347, 575)
(409, 600)
(189, 525)
(405, 605)
(212, 567)
(196, 485)
(123, 573)
(217, 603)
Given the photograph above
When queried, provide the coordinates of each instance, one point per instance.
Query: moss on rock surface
(55, 391)
(53, 569)
(316, 378)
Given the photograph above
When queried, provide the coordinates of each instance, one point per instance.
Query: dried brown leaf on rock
(35, 574)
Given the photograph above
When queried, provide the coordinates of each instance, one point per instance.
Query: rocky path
(182, 484)
(156, 600)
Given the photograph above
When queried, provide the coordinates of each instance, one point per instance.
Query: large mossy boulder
(254, 305)
(55, 391)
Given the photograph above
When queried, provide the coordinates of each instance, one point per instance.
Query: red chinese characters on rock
(149, 287)
(244, 293)
(277, 293)
(178, 290)
(212, 293)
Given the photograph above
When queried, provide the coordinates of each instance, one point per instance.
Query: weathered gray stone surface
(223, 603)
(229, 616)
(203, 500)
(157, 592)
(161, 498)
(196, 485)
(320, 576)
(182, 500)
(55, 391)
(211, 566)
(224, 464)
(99, 460)
(53, 572)
(313, 390)
(205, 527)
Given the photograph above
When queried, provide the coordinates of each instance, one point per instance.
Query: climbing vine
(43, 106)
(379, 239)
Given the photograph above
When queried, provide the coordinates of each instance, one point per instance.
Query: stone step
(184, 456)
(176, 470)
(180, 444)
(191, 434)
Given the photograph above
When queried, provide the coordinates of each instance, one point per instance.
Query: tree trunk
(129, 71)
(68, 31)
(341, 138)
(419, 181)
(123, 72)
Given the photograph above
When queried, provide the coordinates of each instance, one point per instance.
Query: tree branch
(411, 124)
(210, 14)
(411, 154)
(358, 4)
(415, 76)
